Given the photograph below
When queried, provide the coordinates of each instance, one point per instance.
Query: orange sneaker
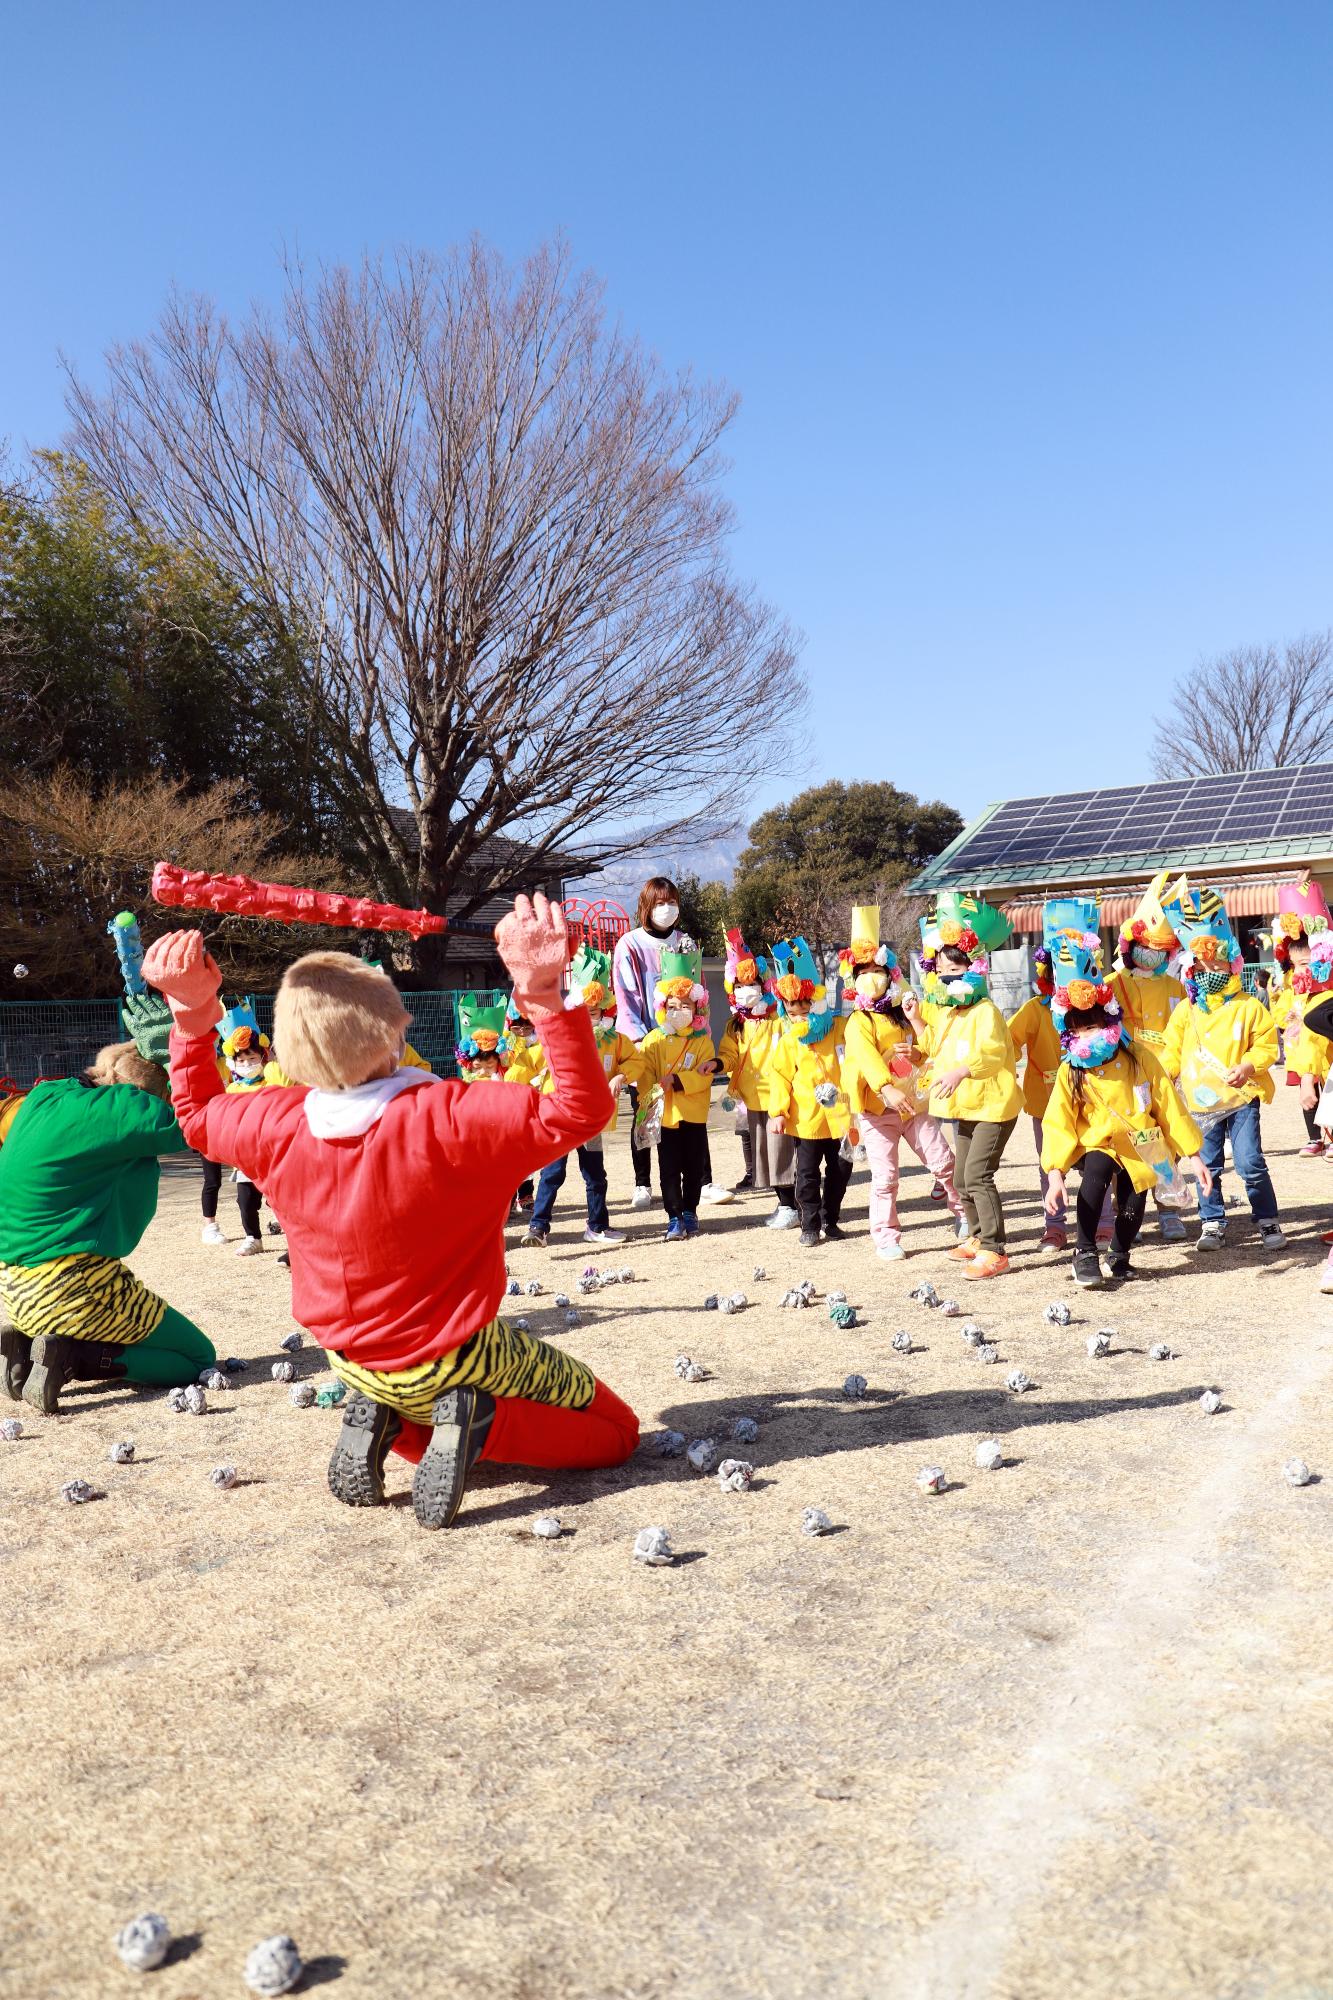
(964, 1252)
(988, 1264)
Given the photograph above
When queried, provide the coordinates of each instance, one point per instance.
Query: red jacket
(396, 1234)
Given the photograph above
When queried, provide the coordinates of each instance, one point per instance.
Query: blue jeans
(593, 1168)
(1247, 1154)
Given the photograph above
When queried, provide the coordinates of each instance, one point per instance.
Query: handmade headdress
(238, 1033)
(680, 980)
(590, 977)
(794, 960)
(1302, 913)
(866, 953)
(1062, 917)
(1152, 926)
(968, 925)
(1080, 983)
(1211, 960)
(746, 968)
(481, 1032)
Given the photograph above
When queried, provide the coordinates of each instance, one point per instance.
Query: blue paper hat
(234, 1018)
(1079, 914)
(795, 956)
(1204, 916)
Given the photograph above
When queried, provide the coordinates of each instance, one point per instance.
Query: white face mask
(678, 1019)
(244, 1072)
(747, 996)
(665, 914)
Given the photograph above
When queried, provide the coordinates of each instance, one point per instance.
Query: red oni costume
(394, 1197)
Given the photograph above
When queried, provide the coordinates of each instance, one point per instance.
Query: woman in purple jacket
(635, 965)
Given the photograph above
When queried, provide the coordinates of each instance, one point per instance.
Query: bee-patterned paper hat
(1062, 916)
(1079, 978)
(1211, 959)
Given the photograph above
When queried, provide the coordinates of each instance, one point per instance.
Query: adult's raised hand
(533, 941)
(186, 975)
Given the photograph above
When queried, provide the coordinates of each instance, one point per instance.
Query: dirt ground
(1063, 1729)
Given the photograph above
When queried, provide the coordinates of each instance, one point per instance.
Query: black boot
(16, 1349)
(96, 1361)
(356, 1470)
(462, 1419)
(52, 1366)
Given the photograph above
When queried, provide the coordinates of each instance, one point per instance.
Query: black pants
(1100, 1172)
(208, 1200)
(1312, 1131)
(248, 1197)
(820, 1210)
(642, 1156)
(682, 1161)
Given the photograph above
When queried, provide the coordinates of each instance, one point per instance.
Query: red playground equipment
(599, 925)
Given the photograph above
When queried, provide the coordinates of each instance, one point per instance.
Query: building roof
(513, 858)
(1237, 819)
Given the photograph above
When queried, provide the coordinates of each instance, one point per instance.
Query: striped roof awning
(1243, 899)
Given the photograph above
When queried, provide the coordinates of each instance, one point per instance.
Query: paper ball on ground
(653, 1546)
(1296, 1472)
(1057, 1314)
(215, 1378)
(973, 1335)
(77, 1491)
(988, 1352)
(670, 1444)
(560, 1301)
(758, 1274)
(223, 1476)
(854, 1387)
(1018, 1381)
(291, 1343)
(989, 1455)
(572, 1318)
(931, 1479)
(546, 1528)
(590, 1271)
(10, 1429)
(902, 1341)
(282, 1371)
(735, 1475)
(302, 1395)
(949, 1308)
(513, 1289)
(273, 1967)
(806, 1288)
(690, 1371)
(843, 1316)
(122, 1453)
(814, 1521)
(144, 1942)
(702, 1454)
(837, 1298)
(193, 1400)
(234, 1365)
(745, 1430)
(329, 1397)
(924, 1293)
(587, 1285)
(1159, 1351)
(535, 1288)
(735, 1304)
(1098, 1344)
(176, 1400)
(625, 1275)
(1210, 1402)
(710, 1303)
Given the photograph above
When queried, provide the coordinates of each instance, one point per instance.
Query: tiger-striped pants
(550, 1410)
(99, 1299)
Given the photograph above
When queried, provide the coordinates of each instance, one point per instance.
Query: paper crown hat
(1153, 922)
(237, 1017)
(1076, 970)
(477, 1018)
(684, 961)
(1302, 904)
(957, 915)
(1204, 928)
(1079, 914)
(590, 967)
(740, 956)
(864, 947)
(793, 955)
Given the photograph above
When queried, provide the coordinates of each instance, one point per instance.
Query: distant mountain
(711, 861)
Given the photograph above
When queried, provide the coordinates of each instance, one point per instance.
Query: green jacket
(78, 1172)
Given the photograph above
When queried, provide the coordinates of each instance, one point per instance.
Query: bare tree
(1250, 709)
(494, 526)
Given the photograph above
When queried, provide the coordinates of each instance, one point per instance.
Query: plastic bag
(1171, 1188)
(648, 1119)
(1203, 1085)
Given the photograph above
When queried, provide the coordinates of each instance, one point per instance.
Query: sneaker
(1087, 1269)
(1312, 1150)
(781, 1218)
(1053, 1238)
(937, 1193)
(674, 1231)
(809, 1239)
(891, 1253)
(715, 1196)
(966, 1248)
(210, 1233)
(1212, 1236)
(1326, 1275)
(987, 1264)
(250, 1246)
(611, 1238)
(1271, 1236)
(834, 1233)
(642, 1197)
(532, 1239)
(1118, 1267)
(745, 1183)
(691, 1221)
(356, 1469)
(462, 1421)
(1173, 1229)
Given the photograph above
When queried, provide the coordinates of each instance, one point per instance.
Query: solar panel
(1217, 811)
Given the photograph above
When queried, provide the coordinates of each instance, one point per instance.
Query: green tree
(705, 912)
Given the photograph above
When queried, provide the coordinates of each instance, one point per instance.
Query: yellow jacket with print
(1147, 1002)
(746, 1054)
(1032, 1032)
(1206, 1041)
(1306, 1054)
(660, 1055)
(797, 1070)
(975, 1038)
(873, 1042)
(1129, 1094)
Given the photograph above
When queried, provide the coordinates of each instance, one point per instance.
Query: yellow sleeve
(522, 1067)
(1173, 1042)
(1060, 1142)
(780, 1075)
(415, 1061)
(1262, 1051)
(863, 1054)
(729, 1053)
(1022, 1027)
(1179, 1130)
(274, 1074)
(992, 1052)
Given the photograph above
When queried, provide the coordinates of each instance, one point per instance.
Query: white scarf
(348, 1114)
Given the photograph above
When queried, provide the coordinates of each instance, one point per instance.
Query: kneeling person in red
(394, 1186)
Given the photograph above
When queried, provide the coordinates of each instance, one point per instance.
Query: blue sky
(1030, 306)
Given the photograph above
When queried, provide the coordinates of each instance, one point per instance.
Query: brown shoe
(988, 1264)
(963, 1253)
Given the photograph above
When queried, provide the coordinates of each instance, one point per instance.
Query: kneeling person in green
(78, 1188)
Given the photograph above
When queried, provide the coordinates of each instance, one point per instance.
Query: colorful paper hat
(744, 967)
(590, 975)
(1155, 921)
(234, 1018)
(1303, 898)
(1079, 914)
(794, 956)
(481, 1028)
(1204, 929)
(864, 947)
(683, 961)
(963, 921)
(680, 977)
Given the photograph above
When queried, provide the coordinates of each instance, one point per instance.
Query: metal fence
(50, 1038)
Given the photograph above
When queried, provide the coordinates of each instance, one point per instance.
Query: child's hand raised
(187, 977)
(533, 941)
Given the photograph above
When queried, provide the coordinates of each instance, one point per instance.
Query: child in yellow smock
(672, 1069)
(806, 1101)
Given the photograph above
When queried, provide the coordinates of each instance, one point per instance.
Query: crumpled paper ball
(758, 1274)
(20, 972)
(854, 1387)
(949, 1308)
(988, 1352)
(214, 1378)
(590, 1271)
(670, 1444)
(1296, 1472)
(1098, 1344)
(587, 1285)
(77, 1491)
(924, 1294)
(176, 1400)
(273, 1967)
(329, 1397)
(827, 1094)
(690, 1371)
(1160, 1351)
(560, 1301)
(234, 1365)
(973, 1336)
(711, 1303)
(734, 1475)
(736, 1303)
(795, 1299)
(302, 1395)
(572, 1318)
(989, 1455)
(283, 1371)
(144, 1942)
(535, 1288)
(1210, 1402)
(10, 1429)
(745, 1430)
(625, 1275)
(513, 1289)
(806, 1289)
(931, 1479)
(122, 1453)
(1018, 1381)
(1057, 1314)
(837, 1297)
(190, 1400)
(521, 1326)
(547, 1528)
(653, 1546)
(702, 1454)
(223, 1477)
(291, 1343)
(902, 1341)
(814, 1521)
(843, 1316)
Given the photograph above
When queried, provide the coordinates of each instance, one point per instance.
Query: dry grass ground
(1064, 1729)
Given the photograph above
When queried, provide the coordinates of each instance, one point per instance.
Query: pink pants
(881, 1134)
